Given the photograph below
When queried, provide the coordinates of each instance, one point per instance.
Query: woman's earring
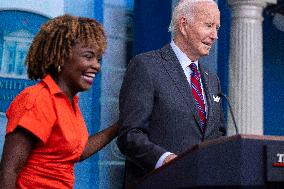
(59, 69)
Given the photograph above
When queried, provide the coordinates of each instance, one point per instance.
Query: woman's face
(79, 71)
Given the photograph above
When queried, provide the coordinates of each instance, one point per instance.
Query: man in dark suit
(166, 106)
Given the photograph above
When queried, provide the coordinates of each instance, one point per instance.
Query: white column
(246, 65)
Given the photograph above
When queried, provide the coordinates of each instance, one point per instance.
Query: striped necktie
(197, 93)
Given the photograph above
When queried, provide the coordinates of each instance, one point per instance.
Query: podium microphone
(220, 94)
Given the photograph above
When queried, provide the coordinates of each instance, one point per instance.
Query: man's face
(200, 32)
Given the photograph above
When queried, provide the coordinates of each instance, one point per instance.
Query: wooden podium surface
(240, 161)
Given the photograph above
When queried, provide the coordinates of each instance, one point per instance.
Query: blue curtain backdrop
(273, 87)
(151, 22)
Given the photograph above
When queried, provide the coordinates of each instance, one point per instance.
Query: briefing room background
(248, 58)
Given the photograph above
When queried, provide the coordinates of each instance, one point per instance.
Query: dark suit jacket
(158, 112)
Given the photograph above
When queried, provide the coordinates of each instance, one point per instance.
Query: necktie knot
(194, 70)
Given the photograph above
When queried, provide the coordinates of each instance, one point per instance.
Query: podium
(240, 161)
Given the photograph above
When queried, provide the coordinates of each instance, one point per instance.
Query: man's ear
(183, 25)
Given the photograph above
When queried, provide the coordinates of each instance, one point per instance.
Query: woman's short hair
(53, 43)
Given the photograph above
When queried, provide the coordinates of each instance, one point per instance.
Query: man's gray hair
(184, 8)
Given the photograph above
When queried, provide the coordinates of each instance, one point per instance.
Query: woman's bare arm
(99, 140)
(17, 147)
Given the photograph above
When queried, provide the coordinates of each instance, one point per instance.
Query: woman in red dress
(46, 133)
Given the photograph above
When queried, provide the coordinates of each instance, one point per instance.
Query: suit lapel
(176, 73)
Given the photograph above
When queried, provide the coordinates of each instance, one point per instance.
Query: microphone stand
(220, 94)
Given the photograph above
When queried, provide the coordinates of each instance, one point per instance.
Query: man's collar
(182, 57)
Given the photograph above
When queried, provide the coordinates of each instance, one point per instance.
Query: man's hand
(169, 158)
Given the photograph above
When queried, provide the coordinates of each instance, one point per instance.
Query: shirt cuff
(161, 159)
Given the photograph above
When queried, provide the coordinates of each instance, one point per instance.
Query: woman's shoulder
(30, 95)
(33, 110)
